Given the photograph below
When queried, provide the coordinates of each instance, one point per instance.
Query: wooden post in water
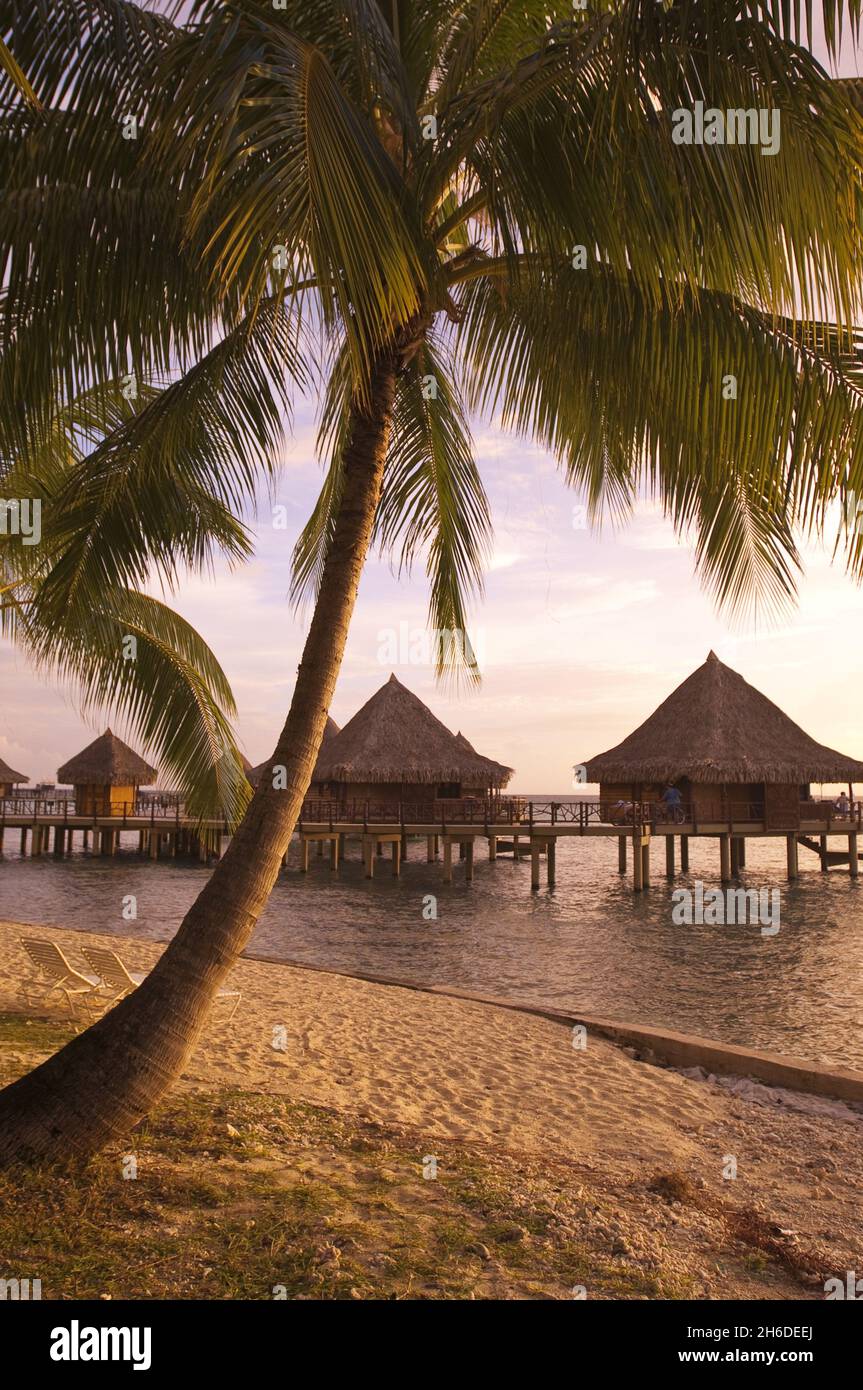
(621, 854)
(468, 861)
(447, 859)
(154, 844)
(853, 861)
(725, 858)
(741, 851)
(492, 847)
(304, 857)
(637, 862)
(735, 856)
(369, 855)
(397, 857)
(23, 841)
(59, 840)
(645, 861)
(551, 860)
(534, 864)
(822, 839)
(429, 849)
(791, 856)
(684, 854)
(669, 856)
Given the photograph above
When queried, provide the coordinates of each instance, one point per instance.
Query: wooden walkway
(512, 827)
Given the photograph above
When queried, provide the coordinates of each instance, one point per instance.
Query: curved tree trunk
(104, 1081)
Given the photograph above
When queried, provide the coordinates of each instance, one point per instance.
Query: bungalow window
(448, 790)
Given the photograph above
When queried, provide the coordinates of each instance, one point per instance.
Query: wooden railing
(65, 809)
(442, 812)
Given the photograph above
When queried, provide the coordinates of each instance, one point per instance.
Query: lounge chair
(119, 981)
(59, 975)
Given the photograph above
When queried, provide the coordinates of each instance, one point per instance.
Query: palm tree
(435, 207)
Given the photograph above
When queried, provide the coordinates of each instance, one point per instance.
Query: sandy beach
(449, 1069)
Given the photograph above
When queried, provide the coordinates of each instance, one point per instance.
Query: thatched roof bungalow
(9, 779)
(395, 750)
(727, 748)
(106, 776)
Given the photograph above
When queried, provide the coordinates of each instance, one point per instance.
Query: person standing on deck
(673, 803)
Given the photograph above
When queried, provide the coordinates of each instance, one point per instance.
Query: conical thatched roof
(716, 727)
(396, 738)
(107, 761)
(331, 728)
(8, 774)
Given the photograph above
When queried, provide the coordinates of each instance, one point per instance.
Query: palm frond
(433, 502)
(12, 69)
(741, 425)
(165, 684)
(280, 156)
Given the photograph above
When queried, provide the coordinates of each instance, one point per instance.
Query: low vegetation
(239, 1195)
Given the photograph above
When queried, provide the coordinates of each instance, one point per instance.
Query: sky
(579, 635)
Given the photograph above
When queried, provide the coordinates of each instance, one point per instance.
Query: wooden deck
(511, 825)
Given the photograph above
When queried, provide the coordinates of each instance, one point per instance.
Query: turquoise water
(590, 943)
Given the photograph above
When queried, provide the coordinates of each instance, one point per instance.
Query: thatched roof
(331, 728)
(8, 774)
(716, 727)
(107, 761)
(396, 738)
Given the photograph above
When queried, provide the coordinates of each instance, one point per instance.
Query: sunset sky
(580, 635)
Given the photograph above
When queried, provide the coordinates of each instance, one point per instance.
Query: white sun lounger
(119, 981)
(57, 974)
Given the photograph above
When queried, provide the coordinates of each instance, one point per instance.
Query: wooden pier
(510, 825)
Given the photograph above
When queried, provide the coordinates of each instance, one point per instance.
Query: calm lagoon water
(590, 943)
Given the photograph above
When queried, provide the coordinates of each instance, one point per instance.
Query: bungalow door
(781, 806)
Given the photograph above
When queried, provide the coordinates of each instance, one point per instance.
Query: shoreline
(665, 1046)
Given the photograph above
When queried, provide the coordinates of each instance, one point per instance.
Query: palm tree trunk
(104, 1081)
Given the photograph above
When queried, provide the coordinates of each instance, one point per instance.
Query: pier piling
(534, 864)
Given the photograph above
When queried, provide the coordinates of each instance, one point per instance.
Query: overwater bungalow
(731, 753)
(106, 776)
(9, 779)
(394, 751)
